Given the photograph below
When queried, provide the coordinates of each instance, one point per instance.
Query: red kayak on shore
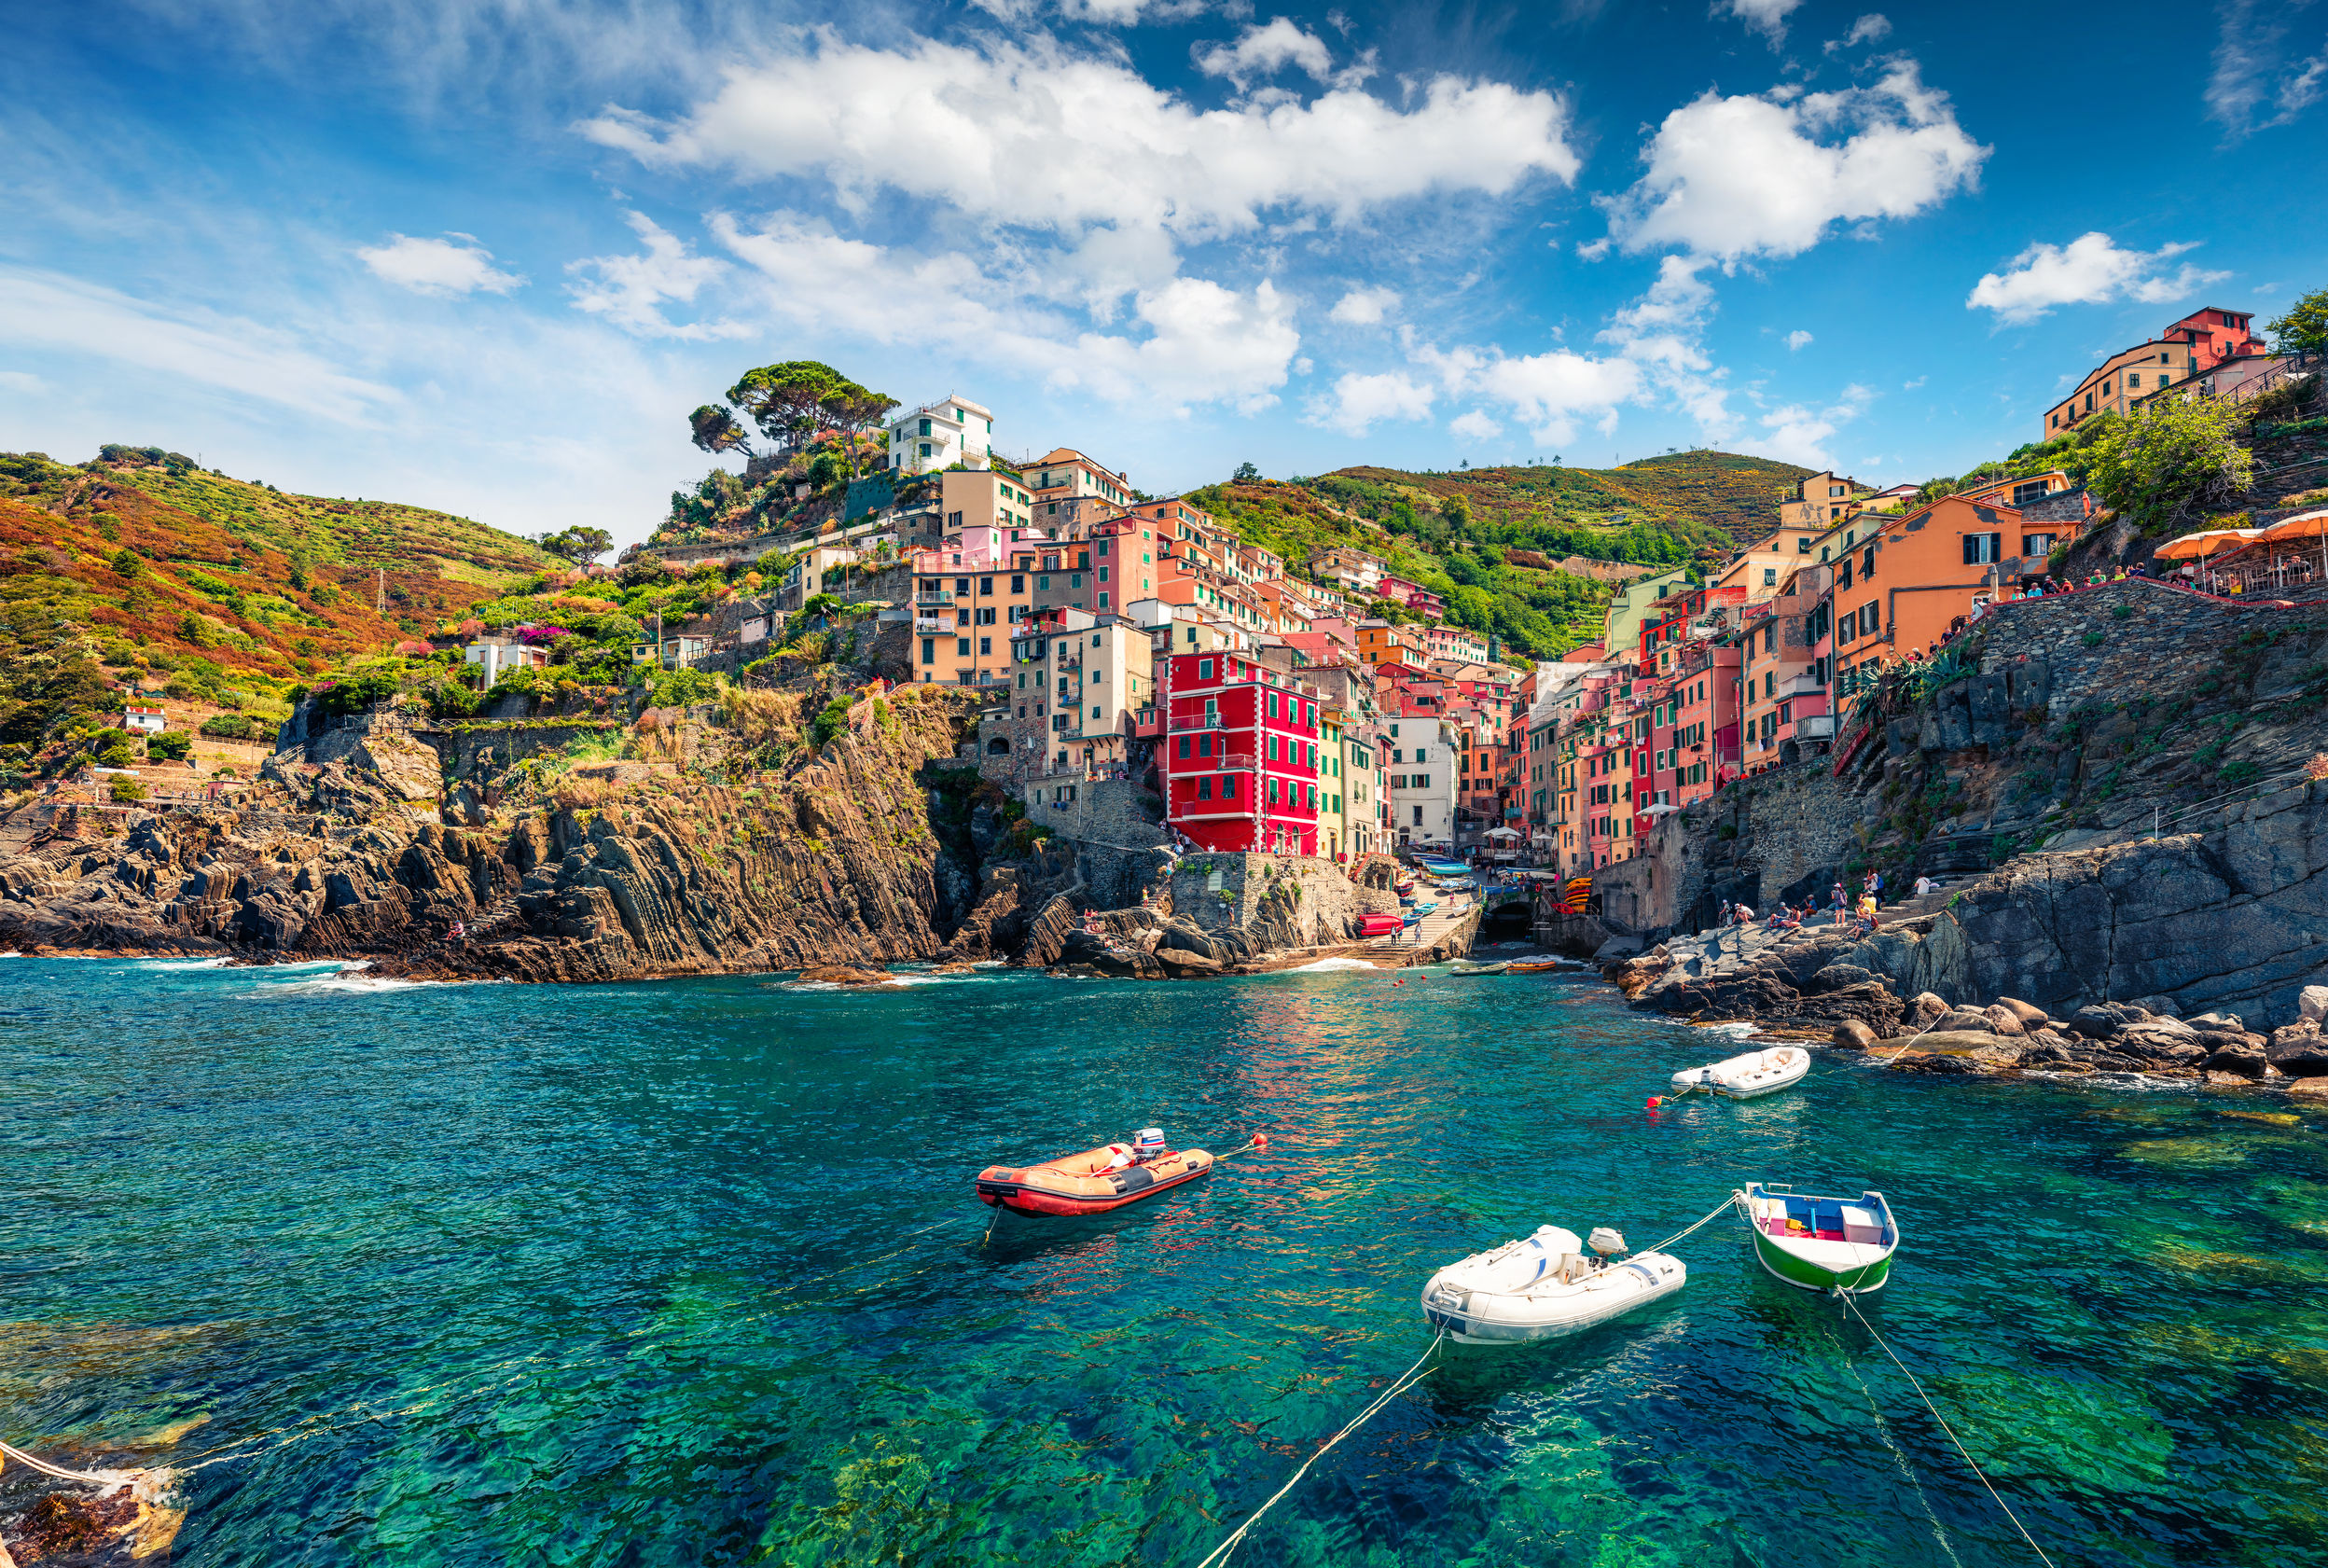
(1090, 1183)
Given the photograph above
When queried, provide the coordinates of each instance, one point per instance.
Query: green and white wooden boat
(1833, 1244)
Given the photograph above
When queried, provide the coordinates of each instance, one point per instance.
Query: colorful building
(1239, 756)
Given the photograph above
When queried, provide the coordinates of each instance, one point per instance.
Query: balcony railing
(1199, 721)
(941, 597)
(933, 623)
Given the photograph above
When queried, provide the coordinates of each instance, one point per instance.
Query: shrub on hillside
(2174, 462)
(830, 722)
(230, 727)
(676, 689)
(113, 748)
(127, 790)
(171, 745)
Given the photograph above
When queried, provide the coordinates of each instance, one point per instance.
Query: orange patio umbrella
(2308, 525)
(2195, 546)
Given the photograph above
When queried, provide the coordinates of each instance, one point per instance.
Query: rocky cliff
(863, 848)
(2119, 785)
(558, 846)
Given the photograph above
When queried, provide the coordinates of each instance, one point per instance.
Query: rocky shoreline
(1842, 984)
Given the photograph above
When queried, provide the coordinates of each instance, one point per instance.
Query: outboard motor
(1688, 1078)
(1148, 1145)
(1606, 1242)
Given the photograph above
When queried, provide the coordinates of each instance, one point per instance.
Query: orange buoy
(1260, 1140)
(1654, 1101)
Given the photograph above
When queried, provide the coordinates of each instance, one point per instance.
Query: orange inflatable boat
(1090, 1183)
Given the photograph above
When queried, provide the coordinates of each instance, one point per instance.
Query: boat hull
(1050, 1191)
(1791, 1268)
(1490, 1317)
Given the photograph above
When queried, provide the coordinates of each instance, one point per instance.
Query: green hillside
(1490, 538)
(326, 530)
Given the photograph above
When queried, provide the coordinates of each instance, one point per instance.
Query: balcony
(940, 597)
(933, 623)
(1199, 721)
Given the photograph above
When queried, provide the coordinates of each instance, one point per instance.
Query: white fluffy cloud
(1364, 307)
(1263, 51)
(50, 312)
(1477, 425)
(1554, 393)
(1798, 434)
(1039, 137)
(1871, 28)
(2260, 79)
(438, 267)
(1798, 339)
(632, 290)
(1734, 179)
(1765, 17)
(2090, 269)
(1204, 343)
(1357, 401)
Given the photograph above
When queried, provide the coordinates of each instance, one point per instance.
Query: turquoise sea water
(692, 1273)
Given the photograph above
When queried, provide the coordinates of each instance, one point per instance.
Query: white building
(1420, 755)
(145, 721)
(497, 654)
(939, 434)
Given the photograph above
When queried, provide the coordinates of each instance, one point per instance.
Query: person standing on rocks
(1839, 902)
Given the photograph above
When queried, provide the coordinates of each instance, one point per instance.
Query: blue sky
(485, 256)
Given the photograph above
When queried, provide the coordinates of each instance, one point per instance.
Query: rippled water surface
(691, 1272)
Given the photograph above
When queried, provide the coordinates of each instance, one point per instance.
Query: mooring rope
(57, 1472)
(1728, 1203)
(1406, 1379)
(1852, 1306)
(1899, 1458)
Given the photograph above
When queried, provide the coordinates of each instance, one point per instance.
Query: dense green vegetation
(1490, 539)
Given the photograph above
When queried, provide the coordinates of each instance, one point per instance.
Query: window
(929, 650)
(1228, 786)
(2134, 380)
(926, 449)
(1204, 667)
(986, 588)
(1204, 745)
(1204, 789)
(1017, 583)
(1042, 585)
(2037, 544)
(1981, 548)
(1868, 562)
(1802, 545)
(1843, 574)
(1183, 747)
(986, 645)
(1769, 576)
(924, 431)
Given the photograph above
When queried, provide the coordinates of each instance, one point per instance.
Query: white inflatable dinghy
(1742, 1077)
(1544, 1285)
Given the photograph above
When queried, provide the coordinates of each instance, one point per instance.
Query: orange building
(1379, 641)
(2190, 347)
(1928, 568)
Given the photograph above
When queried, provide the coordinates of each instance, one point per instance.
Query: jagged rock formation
(876, 848)
(837, 861)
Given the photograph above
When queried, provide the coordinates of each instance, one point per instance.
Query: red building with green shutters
(1239, 756)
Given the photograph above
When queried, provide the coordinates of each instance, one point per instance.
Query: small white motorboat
(1742, 1077)
(1544, 1285)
